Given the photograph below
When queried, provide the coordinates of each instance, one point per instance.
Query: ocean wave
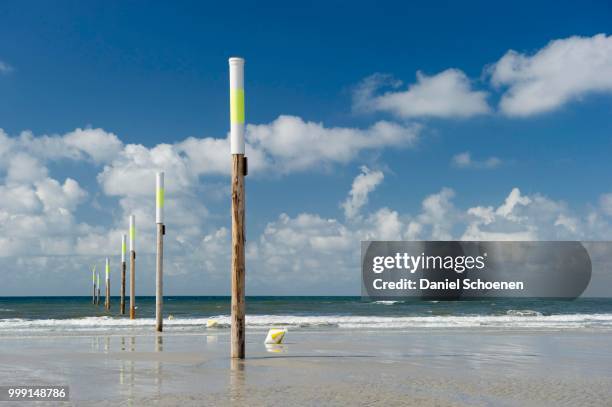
(523, 313)
(386, 302)
(513, 320)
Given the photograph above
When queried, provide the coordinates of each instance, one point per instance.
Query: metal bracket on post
(163, 229)
(245, 166)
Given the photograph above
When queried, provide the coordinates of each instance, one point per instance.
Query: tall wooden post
(237, 147)
(122, 300)
(93, 278)
(159, 274)
(107, 295)
(132, 267)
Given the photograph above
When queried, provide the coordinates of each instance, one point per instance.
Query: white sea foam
(569, 321)
(523, 313)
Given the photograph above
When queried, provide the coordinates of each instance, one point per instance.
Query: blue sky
(153, 73)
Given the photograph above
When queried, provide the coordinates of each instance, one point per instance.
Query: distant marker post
(132, 267)
(123, 249)
(239, 170)
(98, 282)
(161, 230)
(107, 294)
(93, 281)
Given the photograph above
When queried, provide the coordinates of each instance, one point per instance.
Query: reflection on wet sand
(237, 379)
(126, 371)
(159, 347)
(275, 348)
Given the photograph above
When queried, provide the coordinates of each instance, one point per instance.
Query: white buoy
(275, 336)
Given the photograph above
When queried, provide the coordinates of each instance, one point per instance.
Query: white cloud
(363, 184)
(522, 217)
(464, 160)
(605, 202)
(132, 171)
(438, 213)
(97, 145)
(292, 144)
(309, 248)
(24, 168)
(446, 94)
(512, 201)
(36, 216)
(564, 70)
(38, 212)
(56, 196)
(100, 145)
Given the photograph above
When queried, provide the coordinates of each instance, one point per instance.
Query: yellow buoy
(275, 336)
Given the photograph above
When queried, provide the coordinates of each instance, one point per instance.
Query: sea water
(43, 315)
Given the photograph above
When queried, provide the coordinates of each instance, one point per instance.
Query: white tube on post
(236, 105)
(107, 269)
(98, 275)
(132, 233)
(123, 247)
(159, 198)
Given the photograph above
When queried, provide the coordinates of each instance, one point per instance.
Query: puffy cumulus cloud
(438, 213)
(24, 168)
(308, 248)
(285, 145)
(562, 71)
(363, 184)
(292, 144)
(445, 95)
(56, 196)
(209, 156)
(36, 218)
(38, 214)
(522, 217)
(132, 172)
(306, 252)
(97, 145)
(465, 160)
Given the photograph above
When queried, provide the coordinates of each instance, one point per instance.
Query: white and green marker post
(107, 294)
(123, 248)
(98, 296)
(132, 267)
(93, 281)
(161, 230)
(239, 170)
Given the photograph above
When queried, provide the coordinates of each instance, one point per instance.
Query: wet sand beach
(424, 367)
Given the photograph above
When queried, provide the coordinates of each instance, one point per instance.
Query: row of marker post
(239, 171)
(161, 230)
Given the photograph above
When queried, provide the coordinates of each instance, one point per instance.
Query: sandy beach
(435, 367)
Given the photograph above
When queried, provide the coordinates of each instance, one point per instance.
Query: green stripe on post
(237, 106)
